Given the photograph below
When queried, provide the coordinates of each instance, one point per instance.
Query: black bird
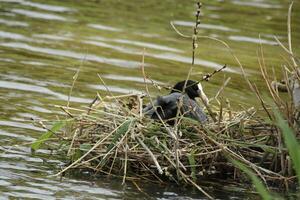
(167, 106)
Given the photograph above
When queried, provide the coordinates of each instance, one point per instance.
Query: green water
(43, 43)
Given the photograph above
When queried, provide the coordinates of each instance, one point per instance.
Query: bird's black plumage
(191, 88)
(167, 106)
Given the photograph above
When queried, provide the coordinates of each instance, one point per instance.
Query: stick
(160, 171)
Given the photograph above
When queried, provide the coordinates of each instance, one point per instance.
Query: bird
(182, 95)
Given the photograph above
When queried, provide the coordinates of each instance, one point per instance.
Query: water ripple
(165, 56)
(81, 56)
(205, 63)
(204, 26)
(39, 15)
(140, 44)
(252, 40)
(13, 23)
(52, 37)
(14, 36)
(30, 189)
(19, 167)
(18, 136)
(35, 63)
(117, 48)
(40, 109)
(7, 60)
(115, 89)
(129, 78)
(105, 28)
(20, 125)
(23, 195)
(39, 89)
(4, 183)
(31, 80)
(23, 157)
(256, 4)
(40, 5)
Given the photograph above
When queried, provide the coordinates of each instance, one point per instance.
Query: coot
(167, 106)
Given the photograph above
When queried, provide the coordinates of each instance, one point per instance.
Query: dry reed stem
(72, 142)
(160, 171)
(290, 33)
(125, 164)
(151, 101)
(74, 80)
(222, 88)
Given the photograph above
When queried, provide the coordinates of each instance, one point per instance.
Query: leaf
(45, 137)
(290, 141)
(77, 154)
(259, 186)
(119, 133)
(85, 147)
(192, 163)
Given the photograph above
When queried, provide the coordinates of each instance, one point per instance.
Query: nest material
(114, 138)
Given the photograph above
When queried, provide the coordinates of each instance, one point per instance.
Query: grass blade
(119, 133)
(192, 162)
(259, 186)
(290, 141)
(45, 137)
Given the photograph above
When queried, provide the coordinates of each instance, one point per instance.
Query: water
(43, 43)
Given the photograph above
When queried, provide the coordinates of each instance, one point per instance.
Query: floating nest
(112, 137)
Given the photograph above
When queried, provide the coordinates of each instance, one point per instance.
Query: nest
(114, 138)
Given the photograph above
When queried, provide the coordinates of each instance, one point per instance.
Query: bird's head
(193, 89)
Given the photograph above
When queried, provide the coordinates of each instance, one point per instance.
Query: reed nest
(112, 137)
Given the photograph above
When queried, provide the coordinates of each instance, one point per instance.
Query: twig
(151, 101)
(208, 76)
(222, 87)
(125, 164)
(160, 171)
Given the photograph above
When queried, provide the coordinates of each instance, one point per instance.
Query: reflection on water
(13, 135)
(13, 23)
(40, 5)
(129, 78)
(40, 109)
(7, 60)
(139, 44)
(250, 39)
(39, 15)
(14, 36)
(43, 43)
(116, 48)
(165, 56)
(29, 80)
(115, 89)
(80, 56)
(33, 63)
(20, 125)
(204, 26)
(257, 4)
(32, 88)
(52, 37)
(105, 28)
(187, 60)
